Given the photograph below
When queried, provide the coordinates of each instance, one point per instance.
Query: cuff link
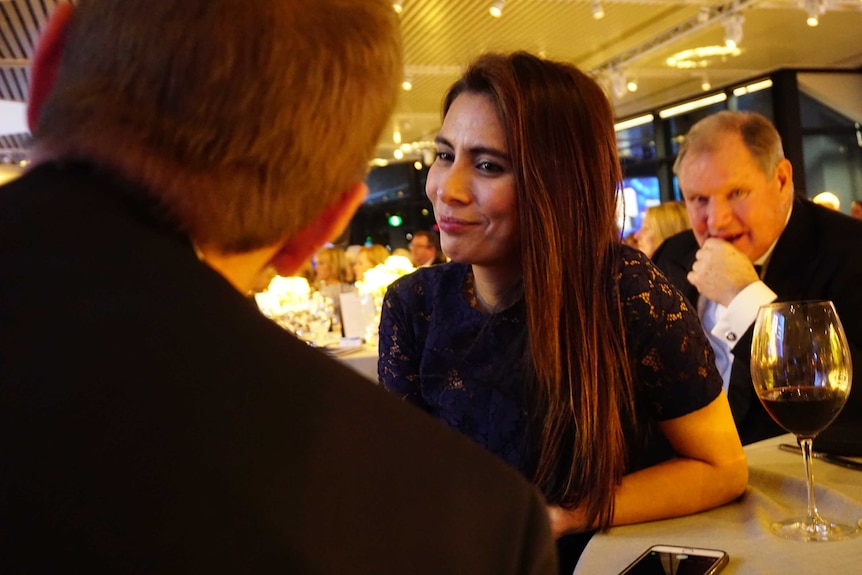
(730, 336)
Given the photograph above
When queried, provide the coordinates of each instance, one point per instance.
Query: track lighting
(733, 30)
(814, 8)
(598, 9)
(496, 9)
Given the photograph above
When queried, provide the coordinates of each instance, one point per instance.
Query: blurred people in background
(331, 269)
(331, 274)
(368, 257)
(152, 420)
(661, 222)
(753, 242)
(425, 249)
(545, 339)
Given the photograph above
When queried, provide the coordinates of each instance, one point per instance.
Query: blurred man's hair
(244, 118)
(757, 132)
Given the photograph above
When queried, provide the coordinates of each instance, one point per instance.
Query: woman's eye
(489, 167)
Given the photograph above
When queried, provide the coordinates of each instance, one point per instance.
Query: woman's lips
(453, 225)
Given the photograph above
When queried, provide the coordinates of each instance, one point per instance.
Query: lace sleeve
(399, 356)
(672, 359)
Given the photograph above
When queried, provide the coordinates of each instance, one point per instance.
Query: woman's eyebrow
(474, 150)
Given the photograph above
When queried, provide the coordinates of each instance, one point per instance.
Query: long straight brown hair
(560, 134)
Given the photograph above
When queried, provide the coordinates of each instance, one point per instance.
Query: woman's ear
(326, 226)
(46, 61)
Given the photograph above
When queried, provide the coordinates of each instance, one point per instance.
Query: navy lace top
(439, 351)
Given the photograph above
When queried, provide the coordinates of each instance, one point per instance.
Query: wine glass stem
(805, 443)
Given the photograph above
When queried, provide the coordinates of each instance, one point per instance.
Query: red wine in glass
(801, 370)
(803, 410)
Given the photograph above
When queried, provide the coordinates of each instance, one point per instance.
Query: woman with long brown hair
(545, 339)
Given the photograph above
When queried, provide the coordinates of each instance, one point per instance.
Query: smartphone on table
(676, 560)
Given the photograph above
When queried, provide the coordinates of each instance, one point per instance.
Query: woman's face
(472, 187)
(323, 271)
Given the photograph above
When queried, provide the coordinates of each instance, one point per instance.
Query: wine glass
(801, 369)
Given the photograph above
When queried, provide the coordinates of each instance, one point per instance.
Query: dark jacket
(818, 256)
(152, 420)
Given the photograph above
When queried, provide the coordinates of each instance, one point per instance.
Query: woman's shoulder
(429, 283)
(433, 277)
(644, 288)
(636, 272)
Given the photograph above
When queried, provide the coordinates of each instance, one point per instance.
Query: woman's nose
(451, 185)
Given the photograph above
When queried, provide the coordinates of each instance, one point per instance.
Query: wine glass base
(804, 529)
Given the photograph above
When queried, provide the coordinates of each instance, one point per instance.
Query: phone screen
(670, 561)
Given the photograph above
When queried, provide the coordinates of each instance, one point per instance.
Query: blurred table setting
(776, 490)
(347, 331)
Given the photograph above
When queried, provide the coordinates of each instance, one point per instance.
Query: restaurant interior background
(664, 64)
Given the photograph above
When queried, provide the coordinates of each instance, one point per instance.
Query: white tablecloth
(363, 361)
(776, 491)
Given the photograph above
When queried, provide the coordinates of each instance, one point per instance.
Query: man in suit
(425, 249)
(752, 242)
(151, 419)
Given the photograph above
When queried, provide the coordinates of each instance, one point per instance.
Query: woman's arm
(710, 469)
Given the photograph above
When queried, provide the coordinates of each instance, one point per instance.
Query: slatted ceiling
(442, 36)
(20, 23)
(14, 143)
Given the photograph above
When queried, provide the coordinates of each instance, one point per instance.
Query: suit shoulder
(675, 247)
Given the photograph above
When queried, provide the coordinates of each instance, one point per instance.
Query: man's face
(421, 251)
(729, 197)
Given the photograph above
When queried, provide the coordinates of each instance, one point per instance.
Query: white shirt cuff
(733, 321)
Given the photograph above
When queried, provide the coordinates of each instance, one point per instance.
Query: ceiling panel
(635, 36)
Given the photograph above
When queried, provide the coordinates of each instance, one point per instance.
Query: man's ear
(784, 173)
(46, 61)
(326, 226)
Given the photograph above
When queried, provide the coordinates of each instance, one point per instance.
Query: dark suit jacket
(152, 420)
(818, 256)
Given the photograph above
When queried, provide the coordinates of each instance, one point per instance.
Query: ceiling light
(398, 6)
(705, 86)
(692, 105)
(407, 83)
(598, 9)
(699, 57)
(396, 136)
(632, 86)
(634, 122)
(755, 87)
(733, 30)
(496, 9)
(398, 154)
(814, 8)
